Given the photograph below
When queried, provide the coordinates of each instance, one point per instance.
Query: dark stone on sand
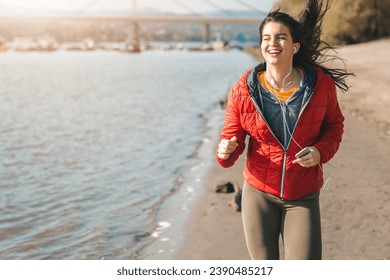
(223, 103)
(227, 187)
(235, 203)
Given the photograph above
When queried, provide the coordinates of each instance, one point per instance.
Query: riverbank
(355, 212)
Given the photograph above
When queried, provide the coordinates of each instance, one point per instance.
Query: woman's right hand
(227, 147)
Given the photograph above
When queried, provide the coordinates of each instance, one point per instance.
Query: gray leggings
(266, 216)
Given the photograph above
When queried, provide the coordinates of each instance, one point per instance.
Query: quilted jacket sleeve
(232, 126)
(332, 127)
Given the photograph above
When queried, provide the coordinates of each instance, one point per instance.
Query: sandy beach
(354, 205)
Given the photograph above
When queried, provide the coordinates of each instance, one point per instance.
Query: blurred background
(102, 24)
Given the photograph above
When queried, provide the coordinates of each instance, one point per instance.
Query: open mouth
(274, 52)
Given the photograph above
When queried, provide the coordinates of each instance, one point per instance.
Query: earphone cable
(286, 128)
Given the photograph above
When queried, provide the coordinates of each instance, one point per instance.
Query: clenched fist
(227, 147)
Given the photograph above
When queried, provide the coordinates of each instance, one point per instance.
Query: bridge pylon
(206, 33)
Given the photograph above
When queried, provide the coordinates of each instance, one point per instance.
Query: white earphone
(295, 50)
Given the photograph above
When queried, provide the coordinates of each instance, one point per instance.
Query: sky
(174, 6)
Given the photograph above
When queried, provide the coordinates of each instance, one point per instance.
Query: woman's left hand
(311, 159)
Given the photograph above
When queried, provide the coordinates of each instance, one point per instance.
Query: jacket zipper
(284, 150)
(288, 145)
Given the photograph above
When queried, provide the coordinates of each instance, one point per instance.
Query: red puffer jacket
(269, 166)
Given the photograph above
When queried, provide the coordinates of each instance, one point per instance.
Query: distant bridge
(135, 20)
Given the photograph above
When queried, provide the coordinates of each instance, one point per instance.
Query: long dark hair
(307, 31)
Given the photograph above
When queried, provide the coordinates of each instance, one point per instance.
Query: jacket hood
(309, 79)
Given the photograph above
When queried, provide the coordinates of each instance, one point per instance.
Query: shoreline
(354, 209)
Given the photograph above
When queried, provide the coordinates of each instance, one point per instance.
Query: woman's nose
(273, 41)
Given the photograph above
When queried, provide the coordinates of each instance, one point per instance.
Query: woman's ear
(296, 48)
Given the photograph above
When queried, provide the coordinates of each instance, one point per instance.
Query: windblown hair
(307, 31)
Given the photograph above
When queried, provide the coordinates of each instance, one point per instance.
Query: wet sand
(354, 206)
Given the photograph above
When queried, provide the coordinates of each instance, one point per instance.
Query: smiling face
(277, 45)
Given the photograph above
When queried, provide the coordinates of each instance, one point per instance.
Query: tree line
(349, 21)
